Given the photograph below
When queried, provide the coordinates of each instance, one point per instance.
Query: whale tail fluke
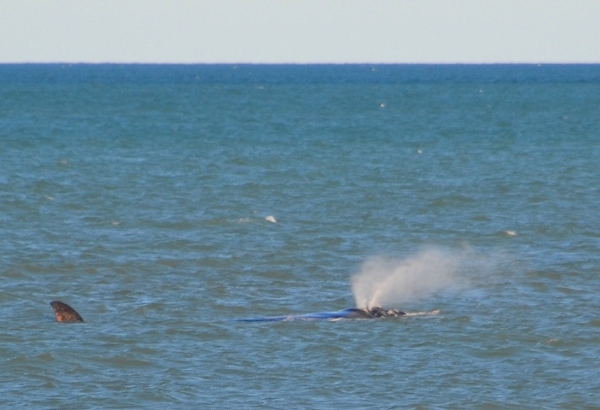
(64, 312)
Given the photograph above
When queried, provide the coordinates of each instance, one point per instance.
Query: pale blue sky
(300, 31)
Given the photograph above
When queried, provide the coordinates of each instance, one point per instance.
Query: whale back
(356, 313)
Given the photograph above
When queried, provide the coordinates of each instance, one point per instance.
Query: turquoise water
(139, 196)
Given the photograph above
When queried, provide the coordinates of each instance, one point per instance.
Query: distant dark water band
(296, 73)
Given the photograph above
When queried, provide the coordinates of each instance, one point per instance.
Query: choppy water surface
(138, 195)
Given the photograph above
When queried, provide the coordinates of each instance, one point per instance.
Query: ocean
(167, 203)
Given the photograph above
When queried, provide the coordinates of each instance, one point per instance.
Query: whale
(350, 313)
(65, 313)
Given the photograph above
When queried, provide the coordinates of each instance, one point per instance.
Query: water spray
(385, 281)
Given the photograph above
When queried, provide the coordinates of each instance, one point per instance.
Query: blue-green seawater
(138, 195)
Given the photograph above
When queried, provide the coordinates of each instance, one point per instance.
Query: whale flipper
(64, 312)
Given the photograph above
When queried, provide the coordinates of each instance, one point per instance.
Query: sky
(300, 31)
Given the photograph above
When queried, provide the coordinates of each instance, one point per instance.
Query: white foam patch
(428, 313)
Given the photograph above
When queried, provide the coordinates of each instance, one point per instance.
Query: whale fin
(64, 312)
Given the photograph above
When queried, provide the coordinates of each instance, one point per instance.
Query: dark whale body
(351, 313)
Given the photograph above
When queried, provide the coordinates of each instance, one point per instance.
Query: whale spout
(64, 312)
